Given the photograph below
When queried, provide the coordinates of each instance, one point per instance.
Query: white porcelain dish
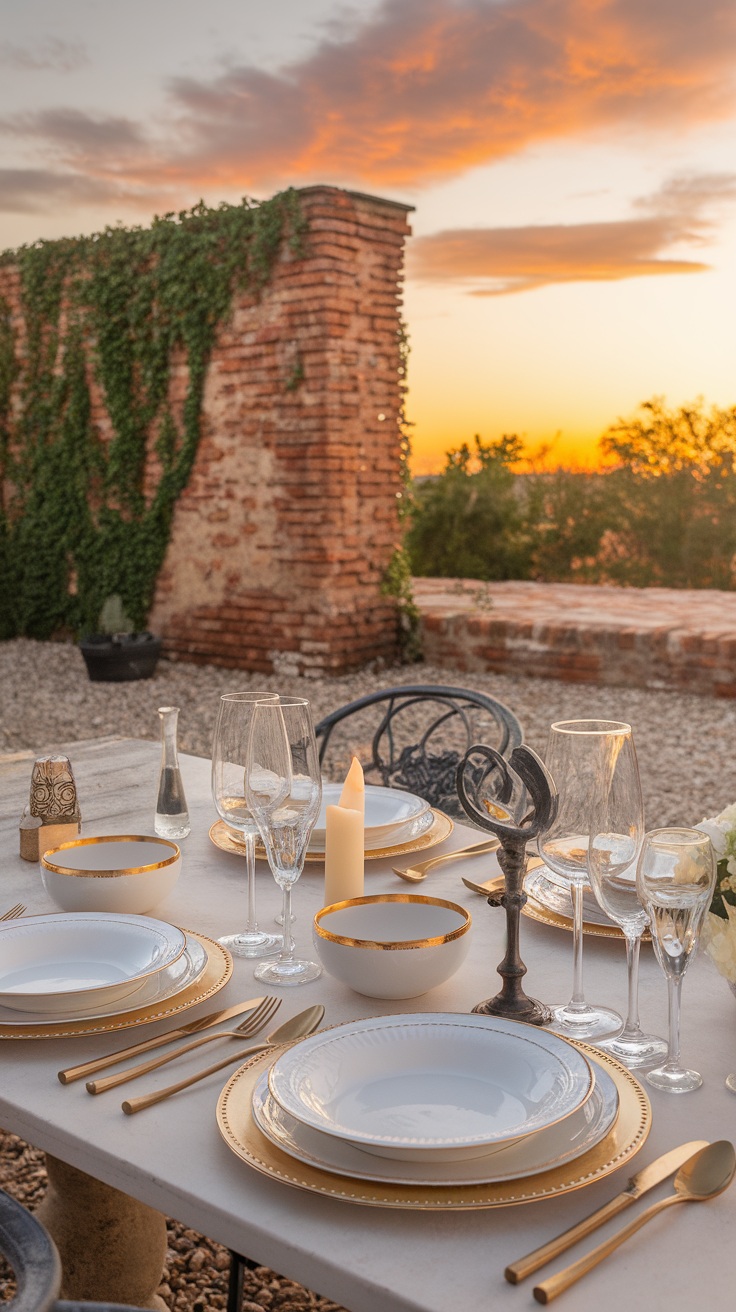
(431, 1087)
(59, 961)
(404, 833)
(546, 887)
(539, 1152)
(385, 810)
(119, 873)
(186, 970)
(394, 945)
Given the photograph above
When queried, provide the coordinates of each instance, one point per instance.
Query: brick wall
(282, 535)
(672, 638)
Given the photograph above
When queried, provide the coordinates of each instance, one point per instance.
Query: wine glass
(675, 878)
(581, 757)
(229, 759)
(615, 841)
(284, 791)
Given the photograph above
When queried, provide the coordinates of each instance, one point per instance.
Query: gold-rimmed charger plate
(546, 916)
(537, 911)
(440, 829)
(216, 974)
(624, 1139)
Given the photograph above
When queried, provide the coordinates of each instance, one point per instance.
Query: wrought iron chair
(465, 717)
(31, 1252)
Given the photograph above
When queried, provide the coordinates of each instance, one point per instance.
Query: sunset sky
(572, 164)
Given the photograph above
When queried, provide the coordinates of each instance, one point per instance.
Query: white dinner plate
(385, 810)
(403, 833)
(432, 1086)
(539, 1152)
(166, 983)
(59, 961)
(547, 888)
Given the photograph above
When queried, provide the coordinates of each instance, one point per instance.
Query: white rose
(719, 941)
(727, 818)
(716, 835)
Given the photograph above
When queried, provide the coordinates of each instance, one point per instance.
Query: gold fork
(251, 1026)
(415, 874)
(15, 912)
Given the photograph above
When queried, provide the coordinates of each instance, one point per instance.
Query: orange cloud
(495, 261)
(424, 89)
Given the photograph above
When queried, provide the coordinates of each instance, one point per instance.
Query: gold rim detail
(216, 975)
(221, 836)
(111, 874)
(397, 946)
(626, 1136)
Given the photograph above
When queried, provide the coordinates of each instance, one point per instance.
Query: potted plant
(115, 654)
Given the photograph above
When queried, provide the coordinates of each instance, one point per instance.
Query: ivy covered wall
(82, 516)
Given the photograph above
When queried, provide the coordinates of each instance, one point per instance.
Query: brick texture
(641, 637)
(282, 535)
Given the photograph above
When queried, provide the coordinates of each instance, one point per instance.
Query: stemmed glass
(229, 759)
(581, 757)
(615, 841)
(675, 878)
(284, 791)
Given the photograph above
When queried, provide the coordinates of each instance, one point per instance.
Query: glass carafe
(172, 816)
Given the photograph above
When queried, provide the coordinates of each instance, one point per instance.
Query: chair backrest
(31, 1252)
(29, 1249)
(415, 766)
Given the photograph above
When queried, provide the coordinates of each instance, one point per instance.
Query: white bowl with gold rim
(396, 945)
(126, 873)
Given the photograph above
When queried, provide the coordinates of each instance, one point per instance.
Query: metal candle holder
(522, 787)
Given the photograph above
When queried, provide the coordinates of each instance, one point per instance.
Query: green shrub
(663, 515)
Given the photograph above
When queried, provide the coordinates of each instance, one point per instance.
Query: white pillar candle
(343, 855)
(345, 840)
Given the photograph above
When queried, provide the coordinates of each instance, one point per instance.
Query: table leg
(112, 1247)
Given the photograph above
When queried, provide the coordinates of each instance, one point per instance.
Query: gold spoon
(291, 1030)
(415, 874)
(704, 1175)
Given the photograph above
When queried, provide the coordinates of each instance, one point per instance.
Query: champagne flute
(615, 841)
(284, 792)
(229, 759)
(675, 879)
(581, 757)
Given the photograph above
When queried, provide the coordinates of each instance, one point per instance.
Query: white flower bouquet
(719, 929)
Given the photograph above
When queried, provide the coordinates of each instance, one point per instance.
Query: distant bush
(664, 514)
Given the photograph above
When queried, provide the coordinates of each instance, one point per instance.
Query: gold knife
(194, 1027)
(639, 1184)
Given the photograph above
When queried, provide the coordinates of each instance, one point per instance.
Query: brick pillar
(281, 537)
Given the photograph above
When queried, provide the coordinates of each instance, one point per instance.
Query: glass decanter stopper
(172, 816)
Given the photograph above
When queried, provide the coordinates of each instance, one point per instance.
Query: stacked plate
(82, 965)
(392, 817)
(554, 893)
(434, 1099)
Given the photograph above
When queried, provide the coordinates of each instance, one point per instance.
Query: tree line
(660, 512)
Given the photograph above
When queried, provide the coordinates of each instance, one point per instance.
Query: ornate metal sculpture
(522, 805)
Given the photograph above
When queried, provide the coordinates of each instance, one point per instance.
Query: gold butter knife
(639, 1185)
(194, 1027)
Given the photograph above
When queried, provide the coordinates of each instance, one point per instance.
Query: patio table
(172, 1157)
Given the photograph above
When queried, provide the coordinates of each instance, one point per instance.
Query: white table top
(171, 1156)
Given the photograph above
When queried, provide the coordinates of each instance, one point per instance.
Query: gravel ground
(684, 742)
(196, 1272)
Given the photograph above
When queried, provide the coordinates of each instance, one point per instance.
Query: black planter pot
(120, 657)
